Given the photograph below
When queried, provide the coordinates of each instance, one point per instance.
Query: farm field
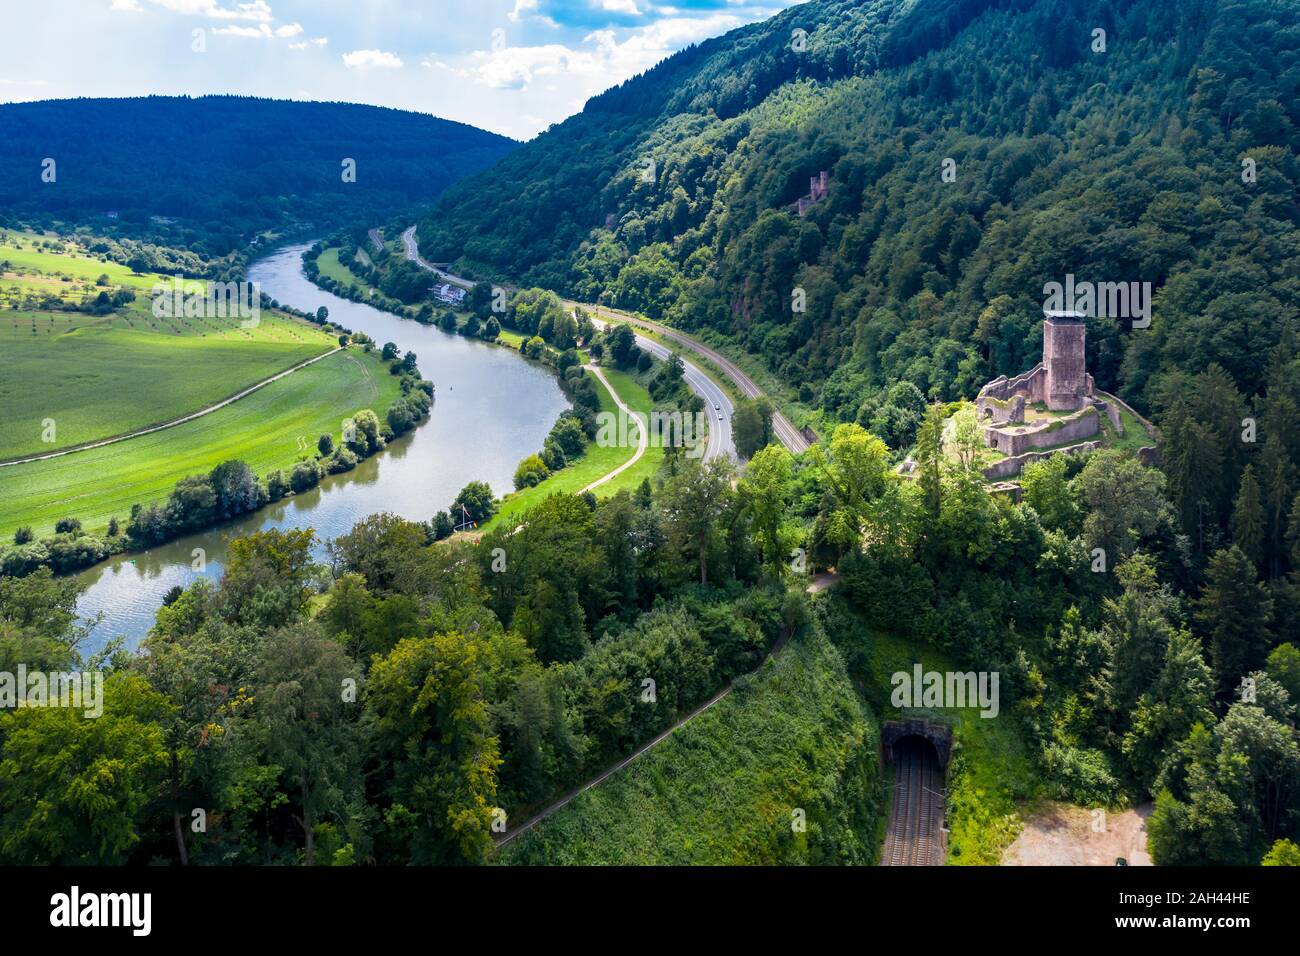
(597, 461)
(97, 376)
(262, 429)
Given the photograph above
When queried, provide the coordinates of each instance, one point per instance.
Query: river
(492, 407)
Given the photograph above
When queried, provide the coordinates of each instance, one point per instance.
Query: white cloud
(127, 6)
(521, 8)
(257, 10)
(620, 6)
(367, 59)
(606, 60)
(289, 30)
(314, 41)
(258, 32)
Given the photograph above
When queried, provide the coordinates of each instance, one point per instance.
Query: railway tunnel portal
(917, 751)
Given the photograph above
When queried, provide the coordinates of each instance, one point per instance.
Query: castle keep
(1052, 406)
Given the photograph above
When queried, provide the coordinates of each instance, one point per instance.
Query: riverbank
(492, 408)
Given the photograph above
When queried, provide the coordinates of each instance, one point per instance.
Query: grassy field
(263, 429)
(329, 265)
(723, 788)
(990, 777)
(597, 461)
(100, 376)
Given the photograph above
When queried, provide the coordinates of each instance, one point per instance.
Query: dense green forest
(670, 194)
(209, 173)
(390, 705)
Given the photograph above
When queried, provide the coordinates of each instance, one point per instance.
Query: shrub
(305, 475)
(531, 471)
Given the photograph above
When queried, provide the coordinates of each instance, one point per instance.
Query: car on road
(717, 407)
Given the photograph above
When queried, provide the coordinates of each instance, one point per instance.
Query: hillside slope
(228, 166)
(671, 194)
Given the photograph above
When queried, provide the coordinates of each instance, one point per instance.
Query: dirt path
(643, 437)
(1061, 834)
(175, 421)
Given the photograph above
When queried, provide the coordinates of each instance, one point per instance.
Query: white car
(717, 407)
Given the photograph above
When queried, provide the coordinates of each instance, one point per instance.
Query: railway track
(917, 811)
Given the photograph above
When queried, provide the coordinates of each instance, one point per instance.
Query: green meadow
(597, 461)
(97, 376)
(263, 429)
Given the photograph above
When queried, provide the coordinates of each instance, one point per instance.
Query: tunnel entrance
(917, 752)
(939, 736)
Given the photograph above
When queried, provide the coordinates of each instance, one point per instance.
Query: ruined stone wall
(1082, 424)
(1010, 467)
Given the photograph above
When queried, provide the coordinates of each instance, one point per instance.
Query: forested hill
(1117, 166)
(229, 165)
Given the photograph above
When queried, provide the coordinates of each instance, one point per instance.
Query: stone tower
(1068, 385)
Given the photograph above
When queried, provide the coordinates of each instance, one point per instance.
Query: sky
(510, 66)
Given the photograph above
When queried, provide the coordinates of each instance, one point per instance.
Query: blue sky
(512, 66)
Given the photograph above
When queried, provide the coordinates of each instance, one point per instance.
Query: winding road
(718, 406)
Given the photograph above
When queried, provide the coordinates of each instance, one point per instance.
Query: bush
(67, 526)
(305, 475)
(276, 485)
(23, 535)
(342, 460)
(531, 471)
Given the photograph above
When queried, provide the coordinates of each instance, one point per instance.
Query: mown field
(330, 267)
(263, 429)
(597, 461)
(96, 376)
(724, 788)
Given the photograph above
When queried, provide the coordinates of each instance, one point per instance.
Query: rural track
(819, 583)
(642, 431)
(700, 383)
(175, 421)
(916, 810)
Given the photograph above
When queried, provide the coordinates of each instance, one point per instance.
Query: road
(413, 253)
(715, 399)
(717, 405)
(786, 433)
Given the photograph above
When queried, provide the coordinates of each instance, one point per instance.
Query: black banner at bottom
(173, 905)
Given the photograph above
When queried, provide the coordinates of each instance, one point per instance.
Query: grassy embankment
(724, 788)
(597, 460)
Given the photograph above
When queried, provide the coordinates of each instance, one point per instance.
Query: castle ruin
(818, 188)
(1053, 406)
